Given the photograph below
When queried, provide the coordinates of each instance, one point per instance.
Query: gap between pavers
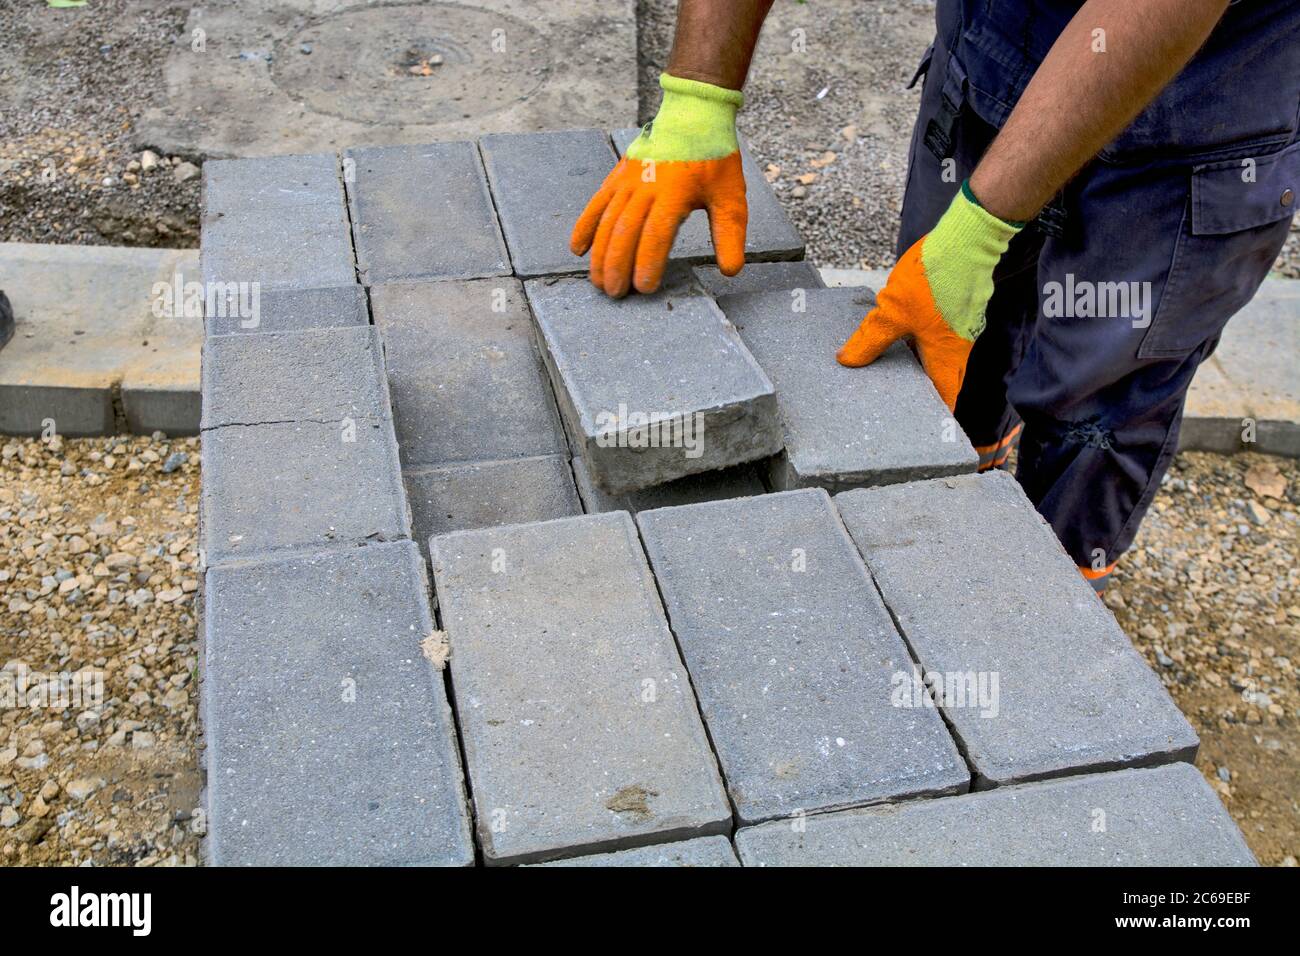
(711, 851)
(98, 347)
(1036, 678)
(1167, 816)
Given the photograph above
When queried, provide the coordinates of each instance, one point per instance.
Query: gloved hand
(936, 294)
(687, 158)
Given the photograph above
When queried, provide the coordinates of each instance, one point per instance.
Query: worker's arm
(1077, 101)
(687, 158)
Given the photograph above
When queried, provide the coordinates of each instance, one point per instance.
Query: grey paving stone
(760, 277)
(740, 481)
(291, 310)
(151, 408)
(703, 851)
(541, 182)
(845, 427)
(278, 221)
(487, 493)
(422, 212)
(671, 360)
(580, 730)
(1166, 816)
(329, 738)
(770, 235)
(794, 659)
(466, 378)
(25, 409)
(298, 444)
(1043, 680)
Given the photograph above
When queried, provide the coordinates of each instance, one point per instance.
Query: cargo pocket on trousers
(1236, 221)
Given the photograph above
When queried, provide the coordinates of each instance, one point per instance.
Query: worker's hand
(686, 159)
(936, 295)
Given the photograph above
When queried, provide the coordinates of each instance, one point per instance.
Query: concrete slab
(277, 221)
(541, 182)
(1167, 816)
(298, 444)
(760, 277)
(487, 493)
(1036, 676)
(738, 482)
(770, 236)
(292, 310)
(704, 851)
(422, 212)
(329, 738)
(794, 658)
(93, 322)
(845, 427)
(466, 378)
(652, 388)
(241, 82)
(579, 726)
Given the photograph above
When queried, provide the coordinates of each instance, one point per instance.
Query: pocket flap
(1238, 194)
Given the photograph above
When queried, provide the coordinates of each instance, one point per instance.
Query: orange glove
(936, 295)
(686, 159)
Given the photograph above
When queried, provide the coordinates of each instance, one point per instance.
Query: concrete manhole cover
(412, 64)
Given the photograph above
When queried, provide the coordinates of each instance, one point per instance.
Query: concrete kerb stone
(1035, 676)
(845, 427)
(652, 388)
(329, 739)
(1165, 817)
(795, 661)
(579, 724)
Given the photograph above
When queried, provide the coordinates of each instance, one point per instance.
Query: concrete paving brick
(845, 427)
(422, 212)
(671, 360)
(291, 310)
(541, 182)
(704, 851)
(738, 482)
(329, 737)
(1043, 682)
(298, 444)
(1166, 816)
(580, 730)
(278, 221)
(794, 658)
(760, 277)
(466, 378)
(487, 493)
(770, 235)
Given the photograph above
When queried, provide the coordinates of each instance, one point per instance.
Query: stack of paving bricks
(714, 652)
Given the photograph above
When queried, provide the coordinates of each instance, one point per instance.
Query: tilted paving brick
(1041, 681)
(278, 221)
(487, 493)
(760, 277)
(422, 212)
(740, 481)
(670, 360)
(845, 427)
(1165, 816)
(702, 851)
(794, 659)
(580, 730)
(298, 444)
(292, 310)
(329, 738)
(541, 182)
(466, 378)
(769, 235)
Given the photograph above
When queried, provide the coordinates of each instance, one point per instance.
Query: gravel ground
(98, 576)
(72, 82)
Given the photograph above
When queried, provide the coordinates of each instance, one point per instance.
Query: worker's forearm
(715, 40)
(1080, 99)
